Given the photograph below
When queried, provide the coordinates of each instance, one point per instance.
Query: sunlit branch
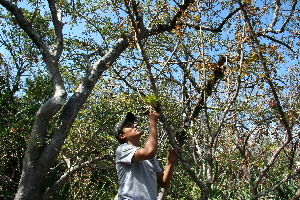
(229, 104)
(270, 28)
(279, 108)
(25, 25)
(96, 27)
(40, 44)
(290, 16)
(140, 45)
(276, 14)
(285, 179)
(168, 60)
(20, 68)
(58, 26)
(169, 131)
(34, 152)
(188, 75)
(166, 125)
(72, 170)
(267, 73)
(214, 30)
(38, 41)
(128, 84)
(172, 24)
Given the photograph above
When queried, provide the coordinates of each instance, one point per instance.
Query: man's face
(131, 129)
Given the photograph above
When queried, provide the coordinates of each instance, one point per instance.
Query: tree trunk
(30, 186)
(205, 191)
(297, 195)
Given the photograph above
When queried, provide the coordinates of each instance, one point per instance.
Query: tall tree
(44, 147)
(212, 70)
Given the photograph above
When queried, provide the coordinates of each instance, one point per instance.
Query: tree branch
(58, 26)
(277, 41)
(278, 184)
(270, 28)
(140, 45)
(207, 91)
(214, 30)
(267, 73)
(72, 170)
(172, 24)
(27, 27)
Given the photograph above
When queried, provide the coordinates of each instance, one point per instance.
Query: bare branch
(214, 30)
(229, 104)
(58, 26)
(267, 73)
(278, 184)
(270, 28)
(277, 41)
(27, 27)
(72, 170)
(141, 48)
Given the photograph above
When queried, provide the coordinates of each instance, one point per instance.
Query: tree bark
(297, 195)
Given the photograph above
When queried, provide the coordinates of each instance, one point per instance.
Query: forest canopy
(224, 76)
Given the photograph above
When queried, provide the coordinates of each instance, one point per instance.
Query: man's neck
(134, 143)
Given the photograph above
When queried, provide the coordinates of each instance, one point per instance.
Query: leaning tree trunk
(39, 158)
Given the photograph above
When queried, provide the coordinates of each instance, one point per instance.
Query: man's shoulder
(126, 147)
(125, 153)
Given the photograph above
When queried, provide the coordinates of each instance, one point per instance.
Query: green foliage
(151, 100)
(17, 119)
(227, 144)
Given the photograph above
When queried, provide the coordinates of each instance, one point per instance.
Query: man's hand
(153, 116)
(172, 156)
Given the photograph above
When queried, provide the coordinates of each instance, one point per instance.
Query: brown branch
(278, 184)
(277, 41)
(214, 30)
(267, 73)
(172, 24)
(72, 170)
(207, 91)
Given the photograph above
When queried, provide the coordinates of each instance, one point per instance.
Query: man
(137, 167)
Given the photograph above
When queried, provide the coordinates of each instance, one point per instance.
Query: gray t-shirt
(137, 180)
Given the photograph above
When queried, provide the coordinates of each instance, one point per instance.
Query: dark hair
(121, 141)
(119, 126)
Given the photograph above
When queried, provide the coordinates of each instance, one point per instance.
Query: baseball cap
(118, 127)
